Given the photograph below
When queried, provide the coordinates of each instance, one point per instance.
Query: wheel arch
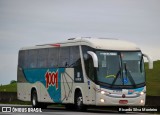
(79, 89)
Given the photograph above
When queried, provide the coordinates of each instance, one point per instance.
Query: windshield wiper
(129, 75)
(119, 72)
(115, 79)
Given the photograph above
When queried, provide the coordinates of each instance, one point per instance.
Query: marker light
(102, 92)
(102, 100)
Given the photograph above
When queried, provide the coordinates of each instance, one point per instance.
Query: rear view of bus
(81, 72)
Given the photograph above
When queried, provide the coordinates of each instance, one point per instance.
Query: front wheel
(34, 99)
(79, 102)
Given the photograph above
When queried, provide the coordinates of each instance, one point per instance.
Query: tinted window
(90, 70)
(50, 57)
(74, 56)
(64, 57)
(89, 67)
(23, 59)
(32, 58)
(53, 57)
(42, 58)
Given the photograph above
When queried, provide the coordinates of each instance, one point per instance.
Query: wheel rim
(79, 101)
(34, 100)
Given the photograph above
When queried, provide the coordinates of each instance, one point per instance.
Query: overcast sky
(28, 23)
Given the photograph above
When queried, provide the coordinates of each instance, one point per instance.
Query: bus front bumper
(104, 100)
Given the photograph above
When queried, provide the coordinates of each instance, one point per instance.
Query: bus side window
(42, 58)
(32, 58)
(89, 68)
(21, 59)
(74, 56)
(75, 62)
(64, 57)
(53, 57)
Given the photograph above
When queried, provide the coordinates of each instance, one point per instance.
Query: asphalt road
(62, 111)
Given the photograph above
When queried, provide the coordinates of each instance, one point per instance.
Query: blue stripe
(38, 75)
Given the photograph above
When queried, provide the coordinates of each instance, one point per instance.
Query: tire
(79, 102)
(35, 103)
(34, 99)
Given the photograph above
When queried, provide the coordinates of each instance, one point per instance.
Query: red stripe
(56, 45)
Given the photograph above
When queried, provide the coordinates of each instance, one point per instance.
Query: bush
(13, 81)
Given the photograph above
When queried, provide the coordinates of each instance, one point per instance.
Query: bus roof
(97, 43)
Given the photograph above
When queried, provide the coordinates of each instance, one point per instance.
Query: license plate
(123, 101)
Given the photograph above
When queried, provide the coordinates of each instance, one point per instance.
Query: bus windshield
(120, 69)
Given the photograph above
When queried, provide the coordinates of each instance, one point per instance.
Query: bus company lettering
(51, 78)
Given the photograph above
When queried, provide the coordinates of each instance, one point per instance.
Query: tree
(13, 81)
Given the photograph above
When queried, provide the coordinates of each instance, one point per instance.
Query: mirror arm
(149, 60)
(94, 57)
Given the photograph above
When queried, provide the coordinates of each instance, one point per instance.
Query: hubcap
(79, 101)
(34, 101)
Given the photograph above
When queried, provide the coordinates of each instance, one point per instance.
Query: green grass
(18, 102)
(9, 88)
(153, 79)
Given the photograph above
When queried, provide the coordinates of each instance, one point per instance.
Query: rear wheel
(79, 102)
(34, 100)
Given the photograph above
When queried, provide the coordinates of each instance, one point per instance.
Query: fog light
(102, 92)
(102, 100)
(142, 101)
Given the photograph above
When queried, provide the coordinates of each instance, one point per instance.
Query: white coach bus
(82, 72)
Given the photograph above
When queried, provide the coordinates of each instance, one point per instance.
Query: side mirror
(94, 57)
(150, 62)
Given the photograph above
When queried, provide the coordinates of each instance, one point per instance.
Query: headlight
(142, 93)
(102, 92)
